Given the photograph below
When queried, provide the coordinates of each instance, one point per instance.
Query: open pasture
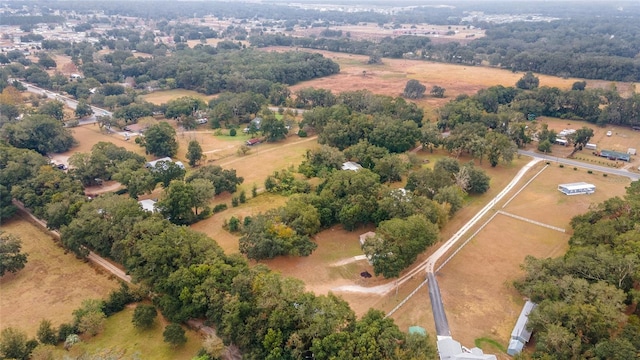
(212, 226)
(164, 96)
(52, 284)
(541, 201)
(122, 340)
(476, 285)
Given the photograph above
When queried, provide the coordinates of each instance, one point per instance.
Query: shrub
(174, 335)
(118, 299)
(234, 224)
(605, 174)
(302, 133)
(219, 207)
(589, 172)
(232, 132)
(561, 165)
(242, 197)
(575, 168)
(235, 201)
(254, 191)
(144, 316)
(65, 330)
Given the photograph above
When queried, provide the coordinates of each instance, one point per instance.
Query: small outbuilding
(417, 330)
(148, 205)
(562, 142)
(365, 236)
(590, 146)
(350, 165)
(521, 333)
(577, 188)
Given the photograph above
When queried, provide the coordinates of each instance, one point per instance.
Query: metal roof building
(615, 155)
(450, 349)
(350, 165)
(521, 334)
(577, 188)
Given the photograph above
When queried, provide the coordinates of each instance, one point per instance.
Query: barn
(577, 188)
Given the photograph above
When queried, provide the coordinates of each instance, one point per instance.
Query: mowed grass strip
(121, 339)
(51, 285)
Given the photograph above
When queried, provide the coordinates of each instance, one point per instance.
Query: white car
(609, 133)
(202, 121)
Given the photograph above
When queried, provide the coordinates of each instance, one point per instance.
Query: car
(202, 121)
(62, 166)
(609, 133)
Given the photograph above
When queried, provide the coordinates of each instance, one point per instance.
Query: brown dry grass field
(164, 96)
(543, 202)
(391, 77)
(476, 285)
(51, 285)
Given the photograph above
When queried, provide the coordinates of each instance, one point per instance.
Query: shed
(631, 151)
(417, 330)
(615, 155)
(577, 188)
(365, 236)
(350, 165)
(148, 205)
(591, 146)
(562, 142)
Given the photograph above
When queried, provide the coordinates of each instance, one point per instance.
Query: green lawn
(120, 338)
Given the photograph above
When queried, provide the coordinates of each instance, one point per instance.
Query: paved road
(605, 169)
(69, 102)
(439, 316)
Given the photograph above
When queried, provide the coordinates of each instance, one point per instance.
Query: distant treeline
(30, 19)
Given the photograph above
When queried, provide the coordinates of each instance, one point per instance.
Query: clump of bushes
(219, 207)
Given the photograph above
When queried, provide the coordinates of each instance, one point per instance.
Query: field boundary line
(532, 221)
(466, 242)
(407, 298)
(524, 186)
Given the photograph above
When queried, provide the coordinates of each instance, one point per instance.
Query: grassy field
(476, 285)
(164, 96)
(122, 340)
(391, 77)
(52, 284)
